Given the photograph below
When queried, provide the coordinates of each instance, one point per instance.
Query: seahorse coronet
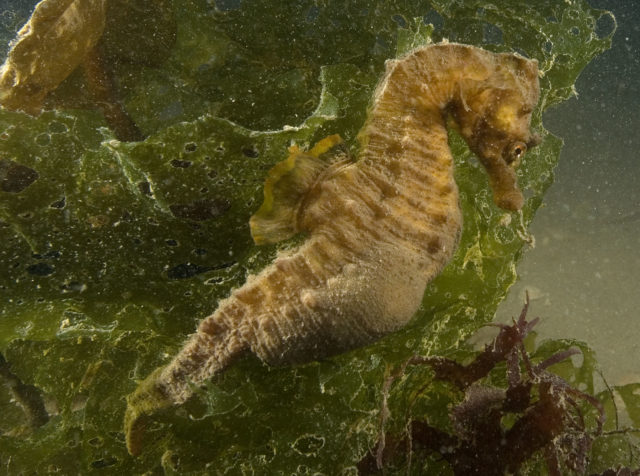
(380, 228)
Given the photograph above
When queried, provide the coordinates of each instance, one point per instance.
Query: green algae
(116, 250)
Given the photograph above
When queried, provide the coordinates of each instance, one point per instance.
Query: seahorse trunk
(379, 229)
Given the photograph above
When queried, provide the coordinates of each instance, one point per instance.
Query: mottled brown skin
(379, 229)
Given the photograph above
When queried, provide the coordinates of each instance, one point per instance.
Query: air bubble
(308, 445)
(57, 127)
(250, 152)
(180, 164)
(504, 235)
(104, 462)
(40, 269)
(96, 442)
(400, 20)
(60, 204)
(7, 18)
(43, 139)
(605, 25)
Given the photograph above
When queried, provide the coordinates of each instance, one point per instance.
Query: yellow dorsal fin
(285, 187)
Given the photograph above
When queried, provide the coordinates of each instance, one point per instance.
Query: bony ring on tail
(380, 227)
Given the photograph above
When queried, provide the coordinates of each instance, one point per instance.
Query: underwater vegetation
(380, 227)
(114, 250)
(494, 430)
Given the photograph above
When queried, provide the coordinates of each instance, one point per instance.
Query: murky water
(583, 274)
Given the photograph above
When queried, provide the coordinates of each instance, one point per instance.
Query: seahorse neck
(407, 123)
(407, 118)
(405, 153)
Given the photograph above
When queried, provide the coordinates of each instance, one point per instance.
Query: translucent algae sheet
(112, 251)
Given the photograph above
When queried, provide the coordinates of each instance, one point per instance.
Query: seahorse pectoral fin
(147, 399)
(287, 185)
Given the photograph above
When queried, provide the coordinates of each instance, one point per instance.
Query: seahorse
(379, 228)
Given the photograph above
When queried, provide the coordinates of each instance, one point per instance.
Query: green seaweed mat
(116, 250)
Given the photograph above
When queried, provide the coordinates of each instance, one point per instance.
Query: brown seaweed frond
(65, 36)
(49, 47)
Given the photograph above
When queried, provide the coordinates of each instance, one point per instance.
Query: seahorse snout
(504, 183)
(511, 200)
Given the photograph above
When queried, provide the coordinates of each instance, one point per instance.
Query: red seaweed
(544, 408)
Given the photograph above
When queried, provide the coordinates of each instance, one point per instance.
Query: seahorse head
(494, 117)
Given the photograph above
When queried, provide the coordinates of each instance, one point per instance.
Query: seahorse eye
(516, 151)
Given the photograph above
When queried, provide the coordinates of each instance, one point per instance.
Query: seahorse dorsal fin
(286, 186)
